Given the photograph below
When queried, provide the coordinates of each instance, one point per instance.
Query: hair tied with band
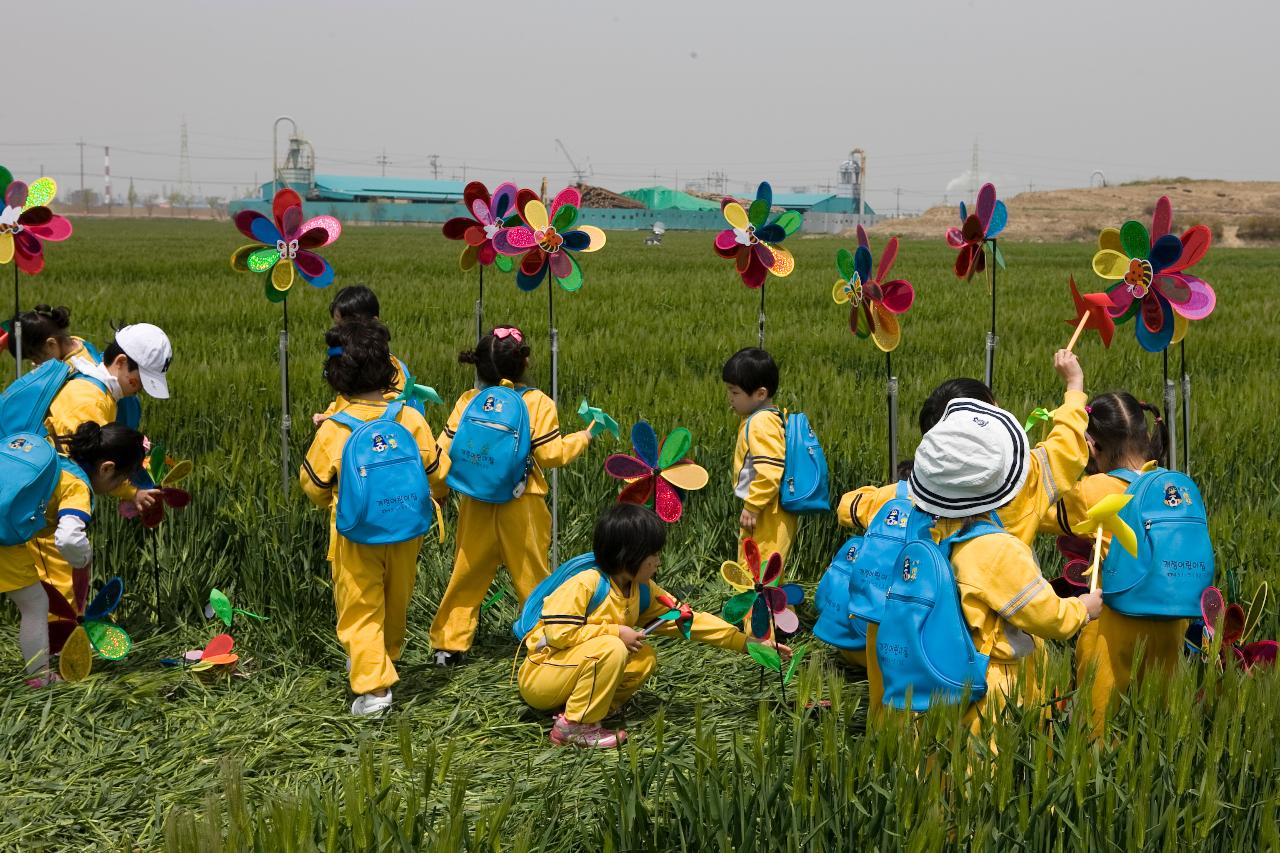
(509, 332)
(335, 351)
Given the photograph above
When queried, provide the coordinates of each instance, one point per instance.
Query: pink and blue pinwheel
(752, 242)
(1152, 283)
(763, 601)
(285, 244)
(26, 222)
(873, 302)
(989, 218)
(489, 215)
(657, 472)
(544, 243)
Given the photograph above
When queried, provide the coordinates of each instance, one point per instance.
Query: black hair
(92, 444)
(355, 302)
(935, 406)
(114, 351)
(626, 535)
(904, 469)
(1118, 427)
(359, 360)
(40, 324)
(498, 358)
(751, 369)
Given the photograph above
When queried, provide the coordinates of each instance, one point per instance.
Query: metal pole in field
(480, 308)
(1170, 408)
(284, 400)
(891, 389)
(1186, 409)
(762, 315)
(17, 326)
(555, 401)
(991, 335)
(106, 176)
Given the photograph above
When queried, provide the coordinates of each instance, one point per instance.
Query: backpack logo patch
(380, 443)
(21, 444)
(910, 568)
(895, 518)
(852, 553)
(492, 405)
(1172, 497)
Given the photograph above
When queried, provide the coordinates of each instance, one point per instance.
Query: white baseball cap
(149, 346)
(975, 460)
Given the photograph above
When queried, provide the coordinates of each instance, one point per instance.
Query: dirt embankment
(1239, 212)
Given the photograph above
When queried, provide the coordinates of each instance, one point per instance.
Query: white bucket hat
(975, 460)
(149, 346)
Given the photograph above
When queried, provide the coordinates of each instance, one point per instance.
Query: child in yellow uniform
(357, 302)
(1055, 465)
(102, 456)
(517, 533)
(1119, 439)
(371, 583)
(759, 456)
(591, 663)
(136, 360)
(46, 335)
(969, 466)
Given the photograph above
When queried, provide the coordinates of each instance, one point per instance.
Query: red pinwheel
(677, 611)
(1077, 553)
(544, 243)
(656, 471)
(1093, 311)
(765, 598)
(873, 302)
(26, 222)
(285, 244)
(1149, 269)
(489, 215)
(988, 219)
(752, 241)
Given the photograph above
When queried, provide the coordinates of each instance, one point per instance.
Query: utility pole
(973, 173)
(84, 199)
(383, 162)
(435, 166)
(106, 175)
(898, 212)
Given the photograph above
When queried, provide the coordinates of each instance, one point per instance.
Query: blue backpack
(834, 626)
(29, 472)
(489, 458)
(805, 487)
(924, 647)
(1175, 557)
(874, 569)
(531, 611)
(383, 493)
(25, 403)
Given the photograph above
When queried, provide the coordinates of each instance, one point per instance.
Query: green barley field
(144, 757)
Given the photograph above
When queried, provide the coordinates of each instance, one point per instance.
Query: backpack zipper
(364, 469)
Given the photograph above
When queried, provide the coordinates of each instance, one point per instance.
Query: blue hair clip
(335, 351)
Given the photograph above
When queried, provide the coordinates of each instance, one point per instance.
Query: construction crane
(579, 175)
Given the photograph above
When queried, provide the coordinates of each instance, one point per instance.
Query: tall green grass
(146, 756)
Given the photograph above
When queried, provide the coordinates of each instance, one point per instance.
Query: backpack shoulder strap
(978, 528)
(646, 597)
(1130, 477)
(392, 411)
(901, 492)
(347, 420)
(600, 594)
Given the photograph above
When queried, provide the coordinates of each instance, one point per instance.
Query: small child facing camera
(590, 661)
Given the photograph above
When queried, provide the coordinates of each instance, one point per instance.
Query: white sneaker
(370, 704)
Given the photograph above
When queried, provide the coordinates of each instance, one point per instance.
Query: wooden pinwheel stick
(17, 326)
(991, 335)
(1170, 407)
(891, 395)
(284, 400)
(555, 401)
(1075, 336)
(1095, 569)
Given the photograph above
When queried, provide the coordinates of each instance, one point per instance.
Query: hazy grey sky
(778, 90)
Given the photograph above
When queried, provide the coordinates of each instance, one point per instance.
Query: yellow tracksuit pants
(591, 680)
(371, 589)
(51, 566)
(1014, 681)
(868, 661)
(1108, 644)
(774, 531)
(515, 534)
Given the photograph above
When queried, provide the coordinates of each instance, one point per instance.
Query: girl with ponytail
(46, 336)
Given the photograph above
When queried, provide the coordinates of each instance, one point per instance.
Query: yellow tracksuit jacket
(1007, 602)
(23, 565)
(1107, 645)
(759, 457)
(78, 352)
(516, 534)
(577, 660)
(371, 583)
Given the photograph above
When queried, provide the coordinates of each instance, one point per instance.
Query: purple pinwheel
(285, 244)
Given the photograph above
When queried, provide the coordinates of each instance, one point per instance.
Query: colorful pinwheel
(873, 302)
(1077, 555)
(1236, 626)
(656, 471)
(597, 420)
(989, 218)
(752, 241)
(75, 632)
(678, 612)
(220, 606)
(544, 243)
(285, 244)
(216, 653)
(164, 473)
(1151, 282)
(26, 222)
(489, 215)
(764, 598)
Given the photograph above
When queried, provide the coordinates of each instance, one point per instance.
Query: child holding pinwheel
(357, 302)
(759, 456)
(379, 510)
(591, 661)
(136, 360)
(501, 440)
(46, 335)
(1122, 447)
(98, 460)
